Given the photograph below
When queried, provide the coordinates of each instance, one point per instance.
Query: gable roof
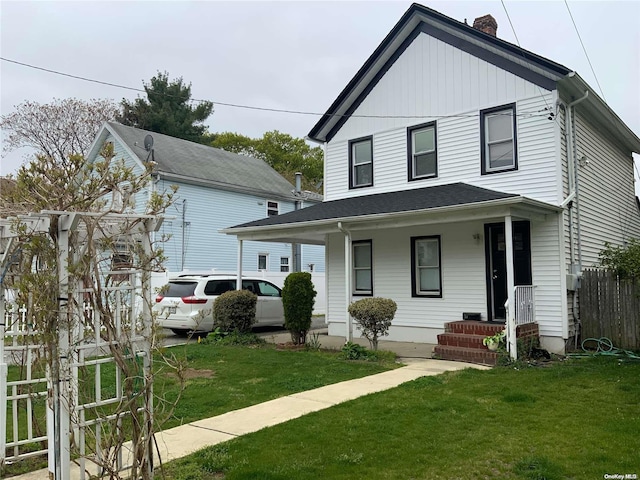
(420, 19)
(189, 162)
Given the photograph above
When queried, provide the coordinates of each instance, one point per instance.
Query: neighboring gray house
(216, 189)
(462, 173)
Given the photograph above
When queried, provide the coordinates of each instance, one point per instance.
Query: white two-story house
(463, 174)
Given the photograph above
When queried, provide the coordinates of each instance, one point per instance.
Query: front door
(496, 261)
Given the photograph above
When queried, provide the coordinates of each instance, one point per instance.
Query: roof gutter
(577, 86)
(378, 216)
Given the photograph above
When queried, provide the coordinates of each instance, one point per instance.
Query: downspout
(572, 173)
(347, 278)
(296, 248)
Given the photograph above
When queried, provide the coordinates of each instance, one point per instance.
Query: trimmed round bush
(298, 297)
(235, 311)
(373, 317)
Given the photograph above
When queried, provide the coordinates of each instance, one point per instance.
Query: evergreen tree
(167, 110)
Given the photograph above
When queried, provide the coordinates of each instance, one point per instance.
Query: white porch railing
(524, 312)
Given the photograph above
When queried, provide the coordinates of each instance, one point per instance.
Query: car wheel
(180, 332)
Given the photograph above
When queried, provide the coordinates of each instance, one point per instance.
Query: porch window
(422, 162)
(498, 138)
(361, 162)
(426, 275)
(362, 268)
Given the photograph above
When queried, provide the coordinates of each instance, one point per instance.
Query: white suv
(186, 304)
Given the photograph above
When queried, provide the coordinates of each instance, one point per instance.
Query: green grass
(574, 420)
(221, 378)
(244, 376)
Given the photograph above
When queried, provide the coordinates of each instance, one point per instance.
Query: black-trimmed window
(422, 151)
(426, 273)
(361, 162)
(498, 139)
(273, 208)
(362, 268)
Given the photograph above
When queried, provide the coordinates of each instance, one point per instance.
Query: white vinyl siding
(608, 209)
(463, 276)
(458, 145)
(433, 79)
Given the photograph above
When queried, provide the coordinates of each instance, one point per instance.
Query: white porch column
(511, 310)
(239, 279)
(347, 279)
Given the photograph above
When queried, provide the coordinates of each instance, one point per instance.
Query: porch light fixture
(476, 237)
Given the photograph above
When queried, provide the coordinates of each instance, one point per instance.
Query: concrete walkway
(181, 441)
(184, 440)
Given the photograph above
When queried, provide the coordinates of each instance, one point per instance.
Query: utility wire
(551, 112)
(264, 109)
(585, 51)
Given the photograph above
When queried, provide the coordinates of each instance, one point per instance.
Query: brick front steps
(462, 341)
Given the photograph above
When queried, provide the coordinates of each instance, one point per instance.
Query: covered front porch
(440, 253)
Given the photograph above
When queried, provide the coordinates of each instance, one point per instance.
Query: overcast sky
(285, 55)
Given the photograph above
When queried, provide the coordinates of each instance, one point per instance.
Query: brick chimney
(486, 24)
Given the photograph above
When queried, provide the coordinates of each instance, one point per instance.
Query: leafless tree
(58, 129)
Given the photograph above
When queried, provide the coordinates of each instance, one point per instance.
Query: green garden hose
(604, 347)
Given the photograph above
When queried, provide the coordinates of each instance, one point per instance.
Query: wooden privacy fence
(610, 307)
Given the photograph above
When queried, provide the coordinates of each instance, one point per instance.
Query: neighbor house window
(284, 264)
(423, 161)
(272, 209)
(426, 277)
(262, 261)
(498, 137)
(361, 162)
(362, 268)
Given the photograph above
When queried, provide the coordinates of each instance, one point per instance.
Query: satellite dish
(148, 143)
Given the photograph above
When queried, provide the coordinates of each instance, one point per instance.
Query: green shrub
(373, 317)
(298, 297)
(353, 351)
(235, 311)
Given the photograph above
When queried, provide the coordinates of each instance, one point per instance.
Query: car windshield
(180, 289)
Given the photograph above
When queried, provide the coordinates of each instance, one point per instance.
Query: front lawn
(219, 378)
(578, 419)
(223, 378)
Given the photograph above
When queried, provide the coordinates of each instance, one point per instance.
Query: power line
(551, 112)
(264, 109)
(585, 51)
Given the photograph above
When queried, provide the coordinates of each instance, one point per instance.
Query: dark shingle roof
(392, 202)
(190, 160)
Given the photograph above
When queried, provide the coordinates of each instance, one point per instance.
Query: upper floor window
(426, 278)
(361, 162)
(362, 268)
(272, 208)
(284, 264)
(262, 261)
(422, 152)
(498, 138)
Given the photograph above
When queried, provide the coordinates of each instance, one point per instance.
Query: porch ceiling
(451, 203)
